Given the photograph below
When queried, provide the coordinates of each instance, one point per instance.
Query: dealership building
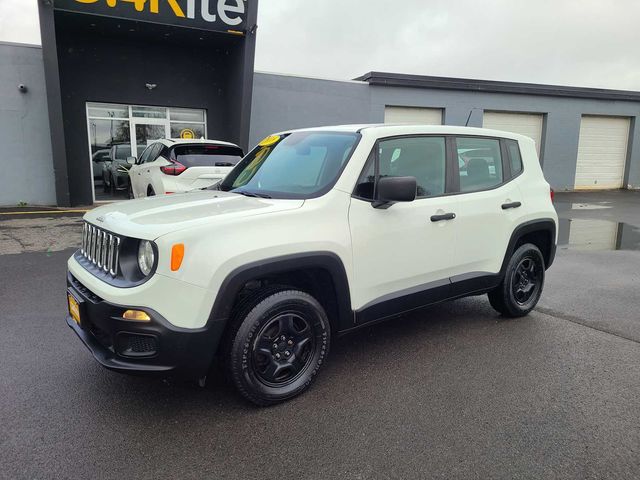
(114, 75)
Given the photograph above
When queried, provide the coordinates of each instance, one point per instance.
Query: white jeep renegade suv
(313, 234)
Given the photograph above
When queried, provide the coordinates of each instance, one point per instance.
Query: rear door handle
(444, 216)
(507, 206)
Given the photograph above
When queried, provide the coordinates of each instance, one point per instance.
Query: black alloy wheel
(522, 285)
(277, 342)
(526, 280)
(283, 348)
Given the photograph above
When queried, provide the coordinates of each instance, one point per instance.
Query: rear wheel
(277, 346)
(521, 287)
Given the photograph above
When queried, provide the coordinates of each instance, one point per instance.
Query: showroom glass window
(132, 128)
(479, 162)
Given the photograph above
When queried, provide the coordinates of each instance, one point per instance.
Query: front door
(402, 254)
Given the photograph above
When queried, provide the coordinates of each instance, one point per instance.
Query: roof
(169, 142)
(491, 86)
(387, 130)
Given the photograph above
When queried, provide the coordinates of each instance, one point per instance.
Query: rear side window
(514, 155)
(207, 155)
(122, 152)
(146, 154)
(479, 163)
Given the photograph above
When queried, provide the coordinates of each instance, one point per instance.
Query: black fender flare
(547, 225)
(328, 261)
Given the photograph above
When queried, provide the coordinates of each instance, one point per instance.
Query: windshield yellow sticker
(270, 140)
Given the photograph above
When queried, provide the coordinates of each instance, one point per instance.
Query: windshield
(298, 165)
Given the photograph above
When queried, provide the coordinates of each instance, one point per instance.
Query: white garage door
(529, 124)
(602, 152)
(413, 115)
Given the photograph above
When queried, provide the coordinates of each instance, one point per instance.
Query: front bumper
(144, 348)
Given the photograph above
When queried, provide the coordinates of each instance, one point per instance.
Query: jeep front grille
(101, 248)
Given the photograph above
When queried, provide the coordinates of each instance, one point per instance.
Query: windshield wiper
(251, 194)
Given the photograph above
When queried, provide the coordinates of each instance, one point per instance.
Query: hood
(150, 218)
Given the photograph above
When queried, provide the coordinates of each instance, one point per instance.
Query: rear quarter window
(515, 157)
(207, 155)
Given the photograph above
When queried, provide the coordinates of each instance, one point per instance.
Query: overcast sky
(569, 42)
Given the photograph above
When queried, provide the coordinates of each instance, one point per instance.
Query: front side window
(298, 165)
(122, 152)
(479, 163)
(421, 157)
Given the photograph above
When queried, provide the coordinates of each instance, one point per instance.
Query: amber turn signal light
(177, 254)
(136, 315)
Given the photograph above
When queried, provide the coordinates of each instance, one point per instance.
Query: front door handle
(507, 206)
(444, 216)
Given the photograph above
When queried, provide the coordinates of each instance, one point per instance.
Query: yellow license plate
(74, 308)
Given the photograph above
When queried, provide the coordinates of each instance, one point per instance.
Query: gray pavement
(452, 391)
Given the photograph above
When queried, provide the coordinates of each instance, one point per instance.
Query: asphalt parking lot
(453, 391)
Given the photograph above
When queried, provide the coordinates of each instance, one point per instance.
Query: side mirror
(131, 160)
(395, 189)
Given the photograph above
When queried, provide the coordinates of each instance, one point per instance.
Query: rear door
(158, 183)
(146, 171)
(489, 204)
(205, 165)
(135, 173)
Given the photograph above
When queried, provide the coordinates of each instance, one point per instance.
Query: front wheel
(278, 345)
(521, 287)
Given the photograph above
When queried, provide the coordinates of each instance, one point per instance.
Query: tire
(130, 192)
(105, 187)
(522, 285)
(276, 346)
(112, 186)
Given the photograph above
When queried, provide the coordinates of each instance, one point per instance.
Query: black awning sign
(221, 15)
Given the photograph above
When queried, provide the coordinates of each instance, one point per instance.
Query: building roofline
(492, 86)
(309, 77)
(20, 44)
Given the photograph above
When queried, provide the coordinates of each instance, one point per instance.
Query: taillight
(553, 194)
(176, 168)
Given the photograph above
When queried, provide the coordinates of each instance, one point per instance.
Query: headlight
(146, 257)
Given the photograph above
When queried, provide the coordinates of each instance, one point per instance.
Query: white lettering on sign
(229, 14)
(223, 11)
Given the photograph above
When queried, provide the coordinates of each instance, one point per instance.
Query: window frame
(452, 168)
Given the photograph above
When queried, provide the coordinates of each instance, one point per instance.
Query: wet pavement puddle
(587, 234)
